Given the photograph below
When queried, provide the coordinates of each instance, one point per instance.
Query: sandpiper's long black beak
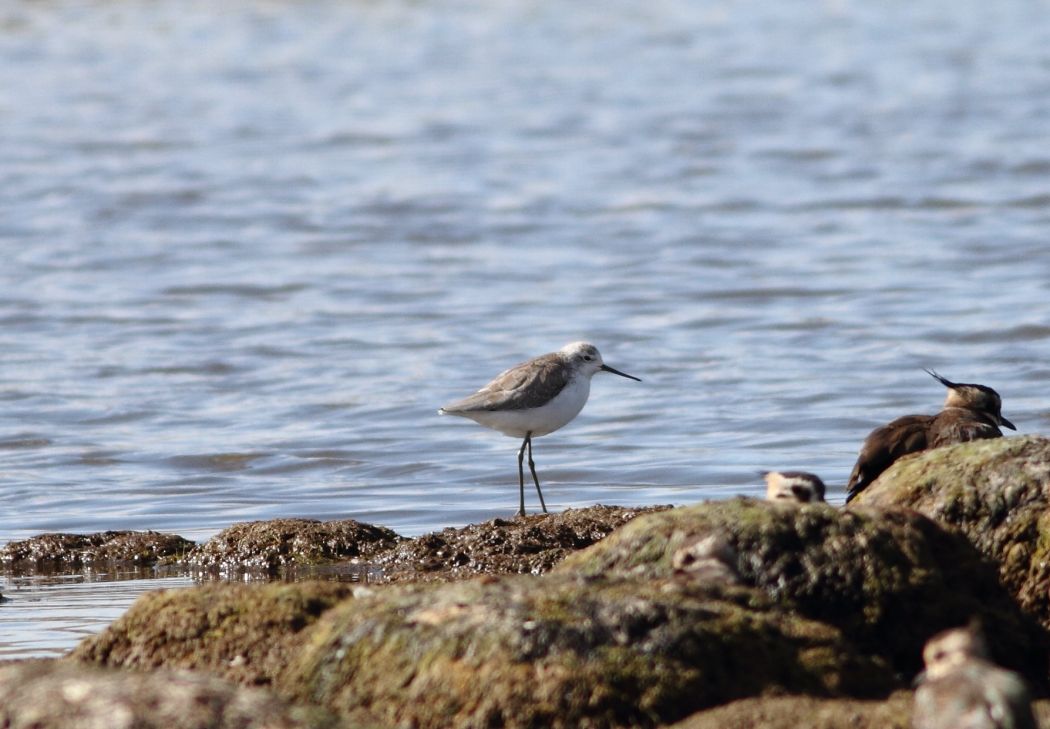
(1006, 423)
(607, 368)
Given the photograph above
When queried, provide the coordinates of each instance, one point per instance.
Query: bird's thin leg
(532, 467)
(521, 475)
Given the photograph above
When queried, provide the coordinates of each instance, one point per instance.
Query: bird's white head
(586, 359)
(944, 651)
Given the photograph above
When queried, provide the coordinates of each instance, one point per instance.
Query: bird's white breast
(545, 419)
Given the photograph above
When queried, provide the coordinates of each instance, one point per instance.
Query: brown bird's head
(974, 397)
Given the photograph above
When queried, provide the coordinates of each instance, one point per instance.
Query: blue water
(250, 249)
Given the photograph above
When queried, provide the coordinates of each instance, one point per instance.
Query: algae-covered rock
(245, 633)
(888, 578)
(50, 695)
(270, 545)
(54, 550)
(805, 712)
(524, 545)
(564, 651)
(997, 493)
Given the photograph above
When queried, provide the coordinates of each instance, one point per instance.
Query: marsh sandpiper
(535, 398)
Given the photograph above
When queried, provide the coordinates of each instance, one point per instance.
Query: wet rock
(78, 550)
(564, 651)
(523, 545)
(270, 545)
(889, 579)
(793, 712)
(245, 633)
(997, 493)
(50, 695)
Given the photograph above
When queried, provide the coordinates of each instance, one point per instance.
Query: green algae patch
(996, 493)
(564, 651)
(270, 545)
(888, 578)
(245, 633)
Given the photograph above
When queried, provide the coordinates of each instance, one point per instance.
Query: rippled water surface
(250, 248)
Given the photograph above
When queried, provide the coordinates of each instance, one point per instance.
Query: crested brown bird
(970, 412)
(962, 689)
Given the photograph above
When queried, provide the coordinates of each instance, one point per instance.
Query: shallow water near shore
(250, 252)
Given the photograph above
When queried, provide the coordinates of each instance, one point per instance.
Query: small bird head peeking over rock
(793, 486)
(962, 689)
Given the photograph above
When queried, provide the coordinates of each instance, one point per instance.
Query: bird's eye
(588, 357)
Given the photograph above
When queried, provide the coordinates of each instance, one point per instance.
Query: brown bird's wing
(525, 386)
(959, 425)
(883, 446)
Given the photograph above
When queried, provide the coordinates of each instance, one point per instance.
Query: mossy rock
(997, 493)
(245, 633)
(270, 545)
(523, 545)
(125, 548)
(564, 651)
(52, 695)
(807, 712)
(888, 578)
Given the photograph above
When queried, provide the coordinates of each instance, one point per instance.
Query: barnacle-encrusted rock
(997, 493)
(889, 578)
(55, 550)
(270, 545)
(525, 545)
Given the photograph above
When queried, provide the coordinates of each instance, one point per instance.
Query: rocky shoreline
(736, 613)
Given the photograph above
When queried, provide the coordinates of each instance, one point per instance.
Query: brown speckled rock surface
(997, 493)
(50, 695)
(65, 551)
(269, 545)
(522, 545)
(805, 712)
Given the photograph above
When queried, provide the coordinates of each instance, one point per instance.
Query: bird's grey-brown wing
(960, 425)
(525, 386)
(883, 446)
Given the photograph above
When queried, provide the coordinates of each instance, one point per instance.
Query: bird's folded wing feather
(527, 385)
